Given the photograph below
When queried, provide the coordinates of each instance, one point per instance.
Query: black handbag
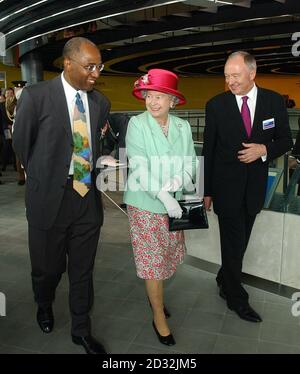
(193, 216)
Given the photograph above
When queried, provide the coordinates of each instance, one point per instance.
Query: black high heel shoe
(166, 340)
(167, 313)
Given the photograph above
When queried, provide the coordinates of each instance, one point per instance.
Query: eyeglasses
(91, 67)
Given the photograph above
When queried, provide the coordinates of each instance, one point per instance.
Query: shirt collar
(251, 94)
(69, 90)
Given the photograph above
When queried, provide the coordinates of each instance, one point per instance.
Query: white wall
(273, 252)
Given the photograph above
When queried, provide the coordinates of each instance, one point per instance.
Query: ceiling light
(22, 9)
(86, 21)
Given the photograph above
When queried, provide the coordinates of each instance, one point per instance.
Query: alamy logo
(296, 306)
(2, 44)
(2, 305)
(296, 46)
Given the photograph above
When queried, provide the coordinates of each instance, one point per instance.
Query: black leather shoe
(166, 340)
(90, 344)
(167, 313)
(247, 313)
(45, 319)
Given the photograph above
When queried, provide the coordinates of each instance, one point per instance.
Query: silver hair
(248, 59)
(174, 99)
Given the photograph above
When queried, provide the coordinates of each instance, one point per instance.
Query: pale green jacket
(154, 159)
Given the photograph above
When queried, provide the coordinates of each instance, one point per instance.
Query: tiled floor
(200, 322)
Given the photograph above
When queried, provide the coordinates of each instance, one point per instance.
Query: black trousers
(234, 236)
(8, 154)
(70, 244)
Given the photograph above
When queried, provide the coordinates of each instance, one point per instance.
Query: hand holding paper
(109, 161)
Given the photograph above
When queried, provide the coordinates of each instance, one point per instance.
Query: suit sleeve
(209, 139)
(25, 127)
(282, 140)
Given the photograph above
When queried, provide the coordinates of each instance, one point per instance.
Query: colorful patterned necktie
(245, 112)
(82, 150)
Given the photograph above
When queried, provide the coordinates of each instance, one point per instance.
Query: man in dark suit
(246, 127)
(63, 206)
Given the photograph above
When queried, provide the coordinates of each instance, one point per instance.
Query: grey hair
(72, 47)
(249, 60)
(173, 98)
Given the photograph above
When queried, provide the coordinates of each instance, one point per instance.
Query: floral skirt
(157, 252)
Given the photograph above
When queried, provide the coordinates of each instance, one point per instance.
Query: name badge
(268, 123)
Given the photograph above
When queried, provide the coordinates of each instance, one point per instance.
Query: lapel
(165, 144)
(259, 110)
(95, 115)
(60, 107)
(234, 113)
(175, 129)
(61, 113)
(162, 143)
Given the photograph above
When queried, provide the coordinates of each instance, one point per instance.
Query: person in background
(7, 109)
(56, 137)
(245, 128)
(115, 133)
(162, 161)
(2, 100)
(113, 143)
(289, 103)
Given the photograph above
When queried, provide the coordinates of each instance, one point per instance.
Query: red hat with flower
(158, 80)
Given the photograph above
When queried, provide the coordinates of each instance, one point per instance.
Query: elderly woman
(162, 163)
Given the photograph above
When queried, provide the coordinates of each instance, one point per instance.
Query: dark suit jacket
(2, 124)
(43, 141)
(228, 181)
(116, 133)
(4, 120)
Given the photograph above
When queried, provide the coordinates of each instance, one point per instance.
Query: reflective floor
(200, 321)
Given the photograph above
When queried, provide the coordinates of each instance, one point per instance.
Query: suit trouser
(234, 236)
(8, 154)
(71, 242)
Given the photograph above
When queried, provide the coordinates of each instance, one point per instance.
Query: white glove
(171, 204)
(173, 184)
(177, 183)
(189, 186)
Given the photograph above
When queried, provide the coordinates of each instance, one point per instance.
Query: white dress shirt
(252, 97)
(70, 93)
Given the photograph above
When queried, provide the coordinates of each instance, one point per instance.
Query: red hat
(158, 80)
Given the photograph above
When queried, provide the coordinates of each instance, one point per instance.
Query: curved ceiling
(191, 37)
